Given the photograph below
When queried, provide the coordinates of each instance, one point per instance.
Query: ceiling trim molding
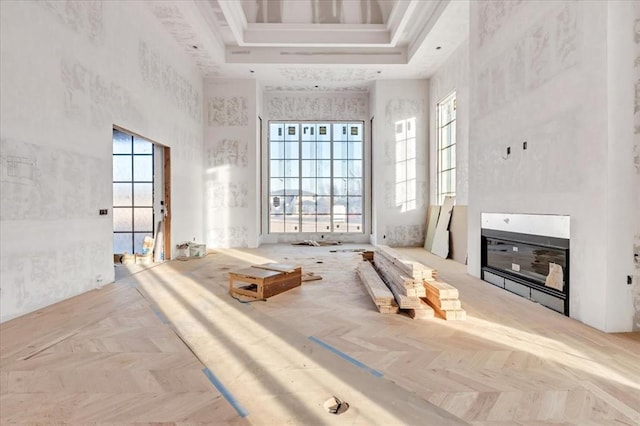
(236, 19)
(361, 56)
(319, 35)
(399, 18)
(429, 16)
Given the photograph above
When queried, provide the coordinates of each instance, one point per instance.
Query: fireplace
(528, 255)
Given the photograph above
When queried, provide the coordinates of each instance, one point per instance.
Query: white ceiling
(320, 45)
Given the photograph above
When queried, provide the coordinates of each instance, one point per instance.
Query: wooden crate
(262, 283)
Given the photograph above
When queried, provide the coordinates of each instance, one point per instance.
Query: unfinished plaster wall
(394, 101)
(452, 75)
(539, 73)
(316, 106)
(69, 71)
(622, 193)
(230, 167)
(636, 165)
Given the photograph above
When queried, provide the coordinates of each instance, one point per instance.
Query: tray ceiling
(301, 42)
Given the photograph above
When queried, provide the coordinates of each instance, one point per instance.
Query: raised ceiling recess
(395, 38)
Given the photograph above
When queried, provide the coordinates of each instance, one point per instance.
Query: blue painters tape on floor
(160, 315)
(227, 395)
(345, 356)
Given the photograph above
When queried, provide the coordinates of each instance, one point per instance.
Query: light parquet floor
(511, 362)
(106, 357)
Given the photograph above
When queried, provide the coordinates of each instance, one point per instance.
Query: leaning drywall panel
(98, 64)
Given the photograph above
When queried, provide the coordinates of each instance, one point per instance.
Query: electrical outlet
(629, 280)
(508, 150)
(524, 145)
(103, 212)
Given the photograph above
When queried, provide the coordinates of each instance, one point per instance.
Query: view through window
(132, 192)
(447, 147)
(406, 164)
(315, 177)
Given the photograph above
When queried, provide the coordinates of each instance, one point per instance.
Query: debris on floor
(315, 243)
(190, 250)
(310, 276)
(367, 255)
(355, 250)
(335, 405)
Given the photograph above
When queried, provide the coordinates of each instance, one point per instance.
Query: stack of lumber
(405, 280)
(377, 289)
(444, 299)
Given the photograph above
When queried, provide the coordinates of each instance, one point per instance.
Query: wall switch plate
(104, 212)
(629, 280)
(524, 145)
(508, 150)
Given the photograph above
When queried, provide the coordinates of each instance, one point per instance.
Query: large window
(447, 147)
(315, 177)
(406, 164)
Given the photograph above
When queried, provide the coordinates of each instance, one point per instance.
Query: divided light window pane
(446, 146)
(316, 176)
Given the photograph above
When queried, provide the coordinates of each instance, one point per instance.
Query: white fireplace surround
(548, 225)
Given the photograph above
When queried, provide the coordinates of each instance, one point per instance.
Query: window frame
(347, 219)
(451, 146)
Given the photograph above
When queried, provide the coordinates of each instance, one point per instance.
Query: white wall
(452, 75)
(636, 162)
(395, 100)
(230, 163)
(69, 72)
(318, 106)
(539, 73)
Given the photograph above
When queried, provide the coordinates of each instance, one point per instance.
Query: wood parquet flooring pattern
(103, 357)
(512, 362)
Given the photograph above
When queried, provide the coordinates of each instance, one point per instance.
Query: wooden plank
(442, 289)
(409, 267)
(310, 276)
(389, 309)
(424, 312)
(432, 221)
(280, 267)
(376, 288)
(441, 237)
(443, 303)
(458, 234)
(253, 272)
(450, 315)
(395, 275)
(401, 287)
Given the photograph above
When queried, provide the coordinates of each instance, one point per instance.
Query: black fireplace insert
(532, 266)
